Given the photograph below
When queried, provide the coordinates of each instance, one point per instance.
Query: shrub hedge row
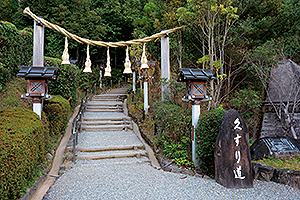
(57, 110)
(24, 142)
(206, 132)
(22, 148)
(174, 129)
(15, 49)
(67, 81)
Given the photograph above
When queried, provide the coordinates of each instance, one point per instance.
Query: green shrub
(67, 81)
(207, 131)
(174, 129)
(22, 148)
(57, 110)
(15, 49)
(245, 101)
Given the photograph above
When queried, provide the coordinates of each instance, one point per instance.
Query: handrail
(77, 120)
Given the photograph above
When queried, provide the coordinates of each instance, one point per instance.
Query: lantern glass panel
(36, 86)
(198, 89)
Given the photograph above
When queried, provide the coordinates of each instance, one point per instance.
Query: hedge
(174, 129)
(22, 149)
(15, 49)
(57, 110)
(206, 132)
(67, 81)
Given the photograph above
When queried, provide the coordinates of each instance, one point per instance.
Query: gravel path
(133, 178)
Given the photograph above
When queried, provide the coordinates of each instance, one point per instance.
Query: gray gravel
(133, 178)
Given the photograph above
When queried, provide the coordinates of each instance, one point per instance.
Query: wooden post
(38, 59)
(165, 64)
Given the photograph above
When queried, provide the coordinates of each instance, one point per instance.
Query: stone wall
(288, 177)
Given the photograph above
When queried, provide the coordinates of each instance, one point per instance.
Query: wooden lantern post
(37, 76)
(196, 80)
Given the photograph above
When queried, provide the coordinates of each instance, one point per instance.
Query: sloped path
(112, 164)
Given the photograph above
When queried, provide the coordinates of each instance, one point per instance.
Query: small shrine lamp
(88, 62)
(144, 60)
(108, 68)
(127, 64)
(196, 92)
(65, 56)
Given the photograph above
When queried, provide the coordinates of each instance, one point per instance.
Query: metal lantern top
(41, 73)
(195, 83)
(194, 74)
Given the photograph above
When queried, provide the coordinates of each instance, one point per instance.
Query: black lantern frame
(196, 83)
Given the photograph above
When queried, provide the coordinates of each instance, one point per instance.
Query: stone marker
(233, 168)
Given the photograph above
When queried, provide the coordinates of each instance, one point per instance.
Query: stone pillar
(195, 119)
(146, 105)
(133, 81)
(38, 59)
(165, 63)
(233, 167)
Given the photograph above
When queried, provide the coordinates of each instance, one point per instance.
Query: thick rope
(98, 43)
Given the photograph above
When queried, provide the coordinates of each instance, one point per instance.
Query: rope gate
(127, 64)
(98, 43)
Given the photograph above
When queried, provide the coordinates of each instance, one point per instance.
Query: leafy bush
(245, 101)
(22, 148)
(207, 131)
(57, 110)
(15, 49)
(67, 81)
(174, 129)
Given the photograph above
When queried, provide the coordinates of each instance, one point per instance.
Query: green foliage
(246, 102)
(15, 49)
(174, 128)
(67, 81)
(22, 148)
(178, 151)
(176, 90)
(57, 110)
(10, 96)
(292, 162)
(206, 134)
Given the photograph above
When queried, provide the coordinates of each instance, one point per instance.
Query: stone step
(102, 103)
(135, 147)
(105, 122)
(106, 127)
(104, 110)
(110, 154)
(103, 107)
(109, 95)
(108, 119)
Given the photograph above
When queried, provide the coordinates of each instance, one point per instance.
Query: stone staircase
(107, 131)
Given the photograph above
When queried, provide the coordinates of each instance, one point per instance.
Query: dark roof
(284, 82)
(195, 74)
(37, 72)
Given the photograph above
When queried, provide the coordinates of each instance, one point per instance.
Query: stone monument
(233, 168)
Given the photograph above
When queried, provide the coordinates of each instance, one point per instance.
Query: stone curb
(288, 177)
